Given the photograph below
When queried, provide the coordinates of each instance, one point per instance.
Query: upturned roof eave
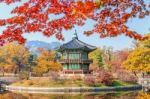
(89, 50)
(76, 44)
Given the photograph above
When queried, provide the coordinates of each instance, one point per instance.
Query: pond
(101, 95)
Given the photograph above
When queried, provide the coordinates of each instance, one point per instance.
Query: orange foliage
(110, 16)
(46, 63)
(143, 95)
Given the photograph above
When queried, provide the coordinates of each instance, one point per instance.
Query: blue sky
(141, 26)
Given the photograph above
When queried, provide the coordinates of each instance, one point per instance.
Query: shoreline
(70, 89)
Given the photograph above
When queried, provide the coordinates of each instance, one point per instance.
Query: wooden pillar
(80, 55)
(87, 55)
(80, 66)
(68, 60)
(67, 55)
(62, 55)
(67, 66)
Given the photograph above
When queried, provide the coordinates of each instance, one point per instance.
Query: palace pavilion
(75, 56)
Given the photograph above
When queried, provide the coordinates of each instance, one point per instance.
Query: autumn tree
(100, 60)
(45, 63)
(118, 71)
(2, 64)
(119, 57)
(14, 57)
(110, 17)
(96, 56)
(145, 43)
(138, 60)
(113, 59)
(108, 58)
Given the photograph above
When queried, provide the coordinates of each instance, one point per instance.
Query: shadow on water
(102, 95)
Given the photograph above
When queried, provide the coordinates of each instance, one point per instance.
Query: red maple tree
(110, 17)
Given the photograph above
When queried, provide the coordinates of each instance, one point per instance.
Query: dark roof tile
(77, 44)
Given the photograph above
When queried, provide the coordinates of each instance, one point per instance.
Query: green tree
(97, 58)
(100, 60)
(31, 62)
(108, 58)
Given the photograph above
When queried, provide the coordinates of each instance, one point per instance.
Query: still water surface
(112, 95)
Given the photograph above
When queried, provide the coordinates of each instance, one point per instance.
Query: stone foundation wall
(72, 89)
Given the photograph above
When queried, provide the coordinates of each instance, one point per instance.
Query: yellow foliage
(138, 60)
(10, 51)
(144, 43)
(143, 95)
(45, 63)
(93, 55)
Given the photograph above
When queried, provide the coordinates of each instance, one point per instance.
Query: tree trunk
(3, 71)
(135, 74)
(143, 75)
(15, 72)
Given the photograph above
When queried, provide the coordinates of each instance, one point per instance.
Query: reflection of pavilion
(75, 56)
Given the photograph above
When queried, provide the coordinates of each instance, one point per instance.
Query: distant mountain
(55, 45)
(34, 45)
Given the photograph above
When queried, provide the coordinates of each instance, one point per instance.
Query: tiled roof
(77, 44)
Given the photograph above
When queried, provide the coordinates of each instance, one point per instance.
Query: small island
(73, 66)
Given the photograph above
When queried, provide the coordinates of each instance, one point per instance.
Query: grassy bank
(65, 83)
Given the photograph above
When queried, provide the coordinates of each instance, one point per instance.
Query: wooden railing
(75, 61)
(76, 71)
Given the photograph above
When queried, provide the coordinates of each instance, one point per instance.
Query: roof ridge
(86, 43)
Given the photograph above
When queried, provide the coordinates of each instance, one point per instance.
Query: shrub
(105, 78)
(28, 82)
(53, 75)
(90, 81)
(126, 76)
(76, 77)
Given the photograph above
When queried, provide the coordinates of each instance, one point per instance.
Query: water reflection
(143, 95)
(120, 95)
